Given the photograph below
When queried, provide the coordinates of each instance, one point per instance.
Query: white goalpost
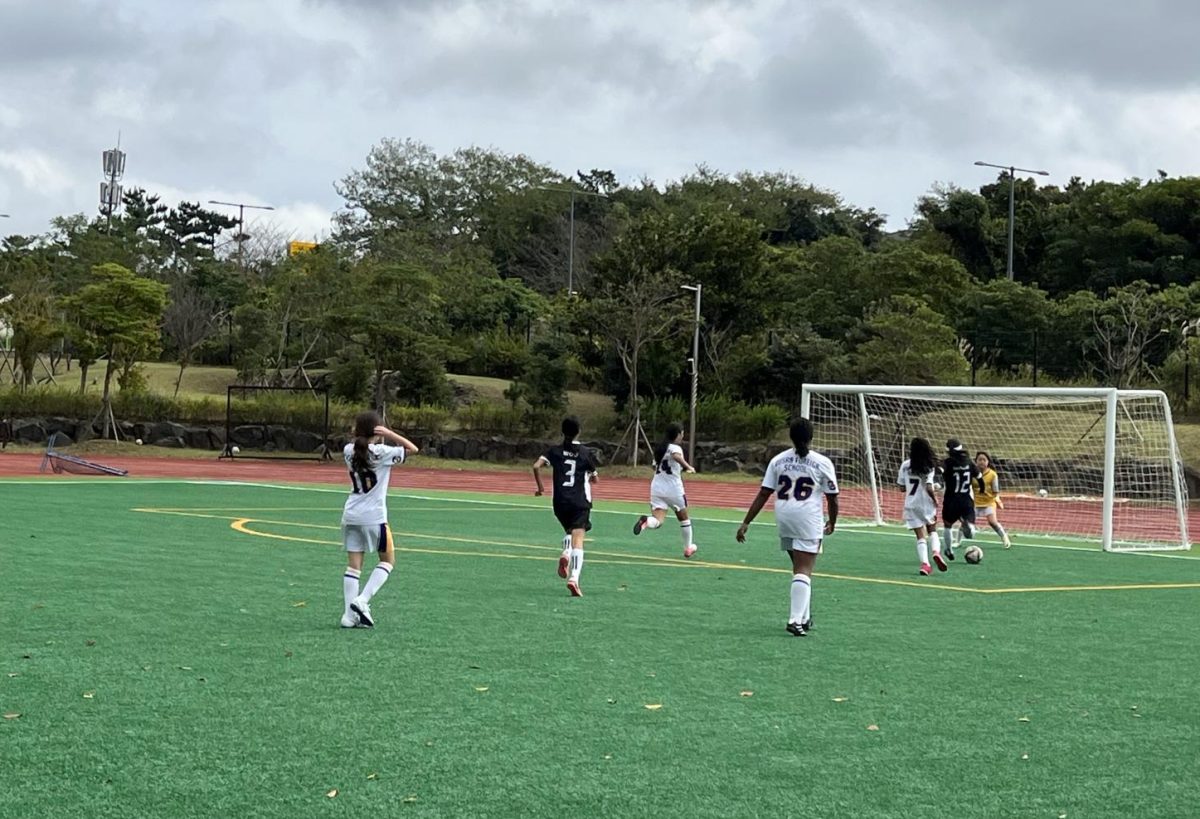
(1097, 464)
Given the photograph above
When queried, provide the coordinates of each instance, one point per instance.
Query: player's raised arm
(537, 474)
(396, 439)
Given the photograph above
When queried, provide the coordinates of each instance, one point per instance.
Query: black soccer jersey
(958, 475)
(572, 466)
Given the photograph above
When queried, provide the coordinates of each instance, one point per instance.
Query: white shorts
(372, 538)
(675, 501)
(796, 544)
(916, 522)
(984, 511)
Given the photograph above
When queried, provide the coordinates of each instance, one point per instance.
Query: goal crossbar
(1098, 463)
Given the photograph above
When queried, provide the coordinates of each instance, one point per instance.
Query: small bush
(717, 418)
(427, 419)
(485, 417)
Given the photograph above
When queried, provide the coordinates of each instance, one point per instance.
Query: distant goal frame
(321, 393)
(1108, 397)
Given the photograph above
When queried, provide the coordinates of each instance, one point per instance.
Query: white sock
(685, 531)
(998, 529)
(576, 564)
(922, 551)
(653, 522)
(349, 587)
(949, 539)
(935, 542)
(378, 577)
(808, 603)
(801, 595)
(968, 530)
(566, 544)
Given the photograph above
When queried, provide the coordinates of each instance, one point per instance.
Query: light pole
(1189, 330)
(571, 241)
(241, 237)
(696, 288)
(1012, 193)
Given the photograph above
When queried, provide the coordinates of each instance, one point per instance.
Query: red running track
(1021, 513)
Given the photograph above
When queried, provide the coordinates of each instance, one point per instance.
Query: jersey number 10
(363, 482)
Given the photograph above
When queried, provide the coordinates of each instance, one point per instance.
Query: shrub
(486, 417)
(717, 418)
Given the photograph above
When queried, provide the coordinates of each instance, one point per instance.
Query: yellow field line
(241, 524)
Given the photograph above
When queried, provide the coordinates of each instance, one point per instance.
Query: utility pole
(571, 241)
(241, 234)
(1012, 198)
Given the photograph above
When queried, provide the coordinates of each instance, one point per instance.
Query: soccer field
(173, 649)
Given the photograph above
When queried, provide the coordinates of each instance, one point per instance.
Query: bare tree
(190, 319)
(632, 313)
(1126, 324)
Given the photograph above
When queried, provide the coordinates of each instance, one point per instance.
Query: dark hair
(570, 428)
(364, 431)
(672, 432)
(958, 456)
(989, 457)
(920, 457)
(801, 433)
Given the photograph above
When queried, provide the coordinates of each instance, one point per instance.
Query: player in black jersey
(958, 501)
(574, 471)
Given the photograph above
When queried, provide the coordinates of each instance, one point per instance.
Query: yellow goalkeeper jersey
(987, 488)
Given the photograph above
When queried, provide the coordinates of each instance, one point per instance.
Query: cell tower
(110, 188)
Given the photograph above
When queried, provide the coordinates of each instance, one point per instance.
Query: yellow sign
(296, 248)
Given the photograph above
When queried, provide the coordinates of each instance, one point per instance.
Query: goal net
(1098, 464)
(59, 461)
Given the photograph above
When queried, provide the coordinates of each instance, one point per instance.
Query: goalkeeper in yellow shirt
(987, 496)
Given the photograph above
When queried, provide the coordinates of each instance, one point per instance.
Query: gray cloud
(275, 100)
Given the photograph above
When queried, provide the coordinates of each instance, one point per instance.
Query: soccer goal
(59, 461)
(277, 423)
(1098, 464)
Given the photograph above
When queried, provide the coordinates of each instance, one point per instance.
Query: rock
(197, 438)
(157, 432)
(305, 441)
(175, 442)
(249, 436)
(725, 465)
(30, 431)
(454, 448)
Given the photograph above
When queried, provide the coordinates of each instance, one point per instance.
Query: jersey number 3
(803, 488)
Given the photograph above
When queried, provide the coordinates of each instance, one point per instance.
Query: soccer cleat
(349, 620)
(925, 569)
(690, 550)
(573, 588)
(807, 625)
(797, 630)
(1007, 542)
(562, 566)
(941, 564)
(640, 525)
(363, 610)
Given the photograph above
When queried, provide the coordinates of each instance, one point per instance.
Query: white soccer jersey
(668, 473)
(367, 503)
(919, 508)
(800, 482)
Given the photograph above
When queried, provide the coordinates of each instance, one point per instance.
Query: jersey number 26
(803, 488)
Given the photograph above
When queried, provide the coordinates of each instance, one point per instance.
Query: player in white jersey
(666, 490)
(798, 478)
(364, 516)
(918, 476)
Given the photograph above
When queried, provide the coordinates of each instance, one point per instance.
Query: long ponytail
(801, 433)
(669, 437)
(364, 431)
(570, 429)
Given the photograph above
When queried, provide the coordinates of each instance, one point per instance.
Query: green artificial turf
(221, 685)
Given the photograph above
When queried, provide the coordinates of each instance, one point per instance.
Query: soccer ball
(973, 554)
(1042, 493)
(234, 450)
(138, 442)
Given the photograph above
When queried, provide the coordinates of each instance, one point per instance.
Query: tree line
(480, 262)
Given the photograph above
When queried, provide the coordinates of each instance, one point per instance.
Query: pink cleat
(926, 569)
(573, 588)
(941, 563)
(690, 550)
(562, 566)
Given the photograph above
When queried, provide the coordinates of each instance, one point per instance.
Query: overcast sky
(273, 100)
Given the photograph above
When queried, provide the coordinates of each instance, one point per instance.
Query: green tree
(123, 312)
(906, 342)
(31, 315)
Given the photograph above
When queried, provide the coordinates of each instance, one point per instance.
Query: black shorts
(573, 517)
(959, 508)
